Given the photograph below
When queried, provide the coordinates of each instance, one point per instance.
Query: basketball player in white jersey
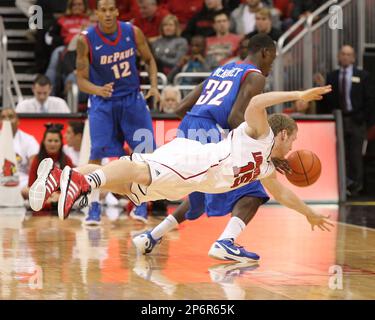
(183, 166)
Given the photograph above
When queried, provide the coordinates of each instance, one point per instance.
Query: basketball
(306, 168)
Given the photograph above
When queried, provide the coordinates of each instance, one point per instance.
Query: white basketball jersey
(247, 160)
(183, 166)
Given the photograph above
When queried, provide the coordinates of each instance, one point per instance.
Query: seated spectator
(303, 8)
(150, 18)
(170, 47)
(202, 22)
(224, 44)
(52, 10)
(42, 101)
(75, 19)
(353, 95)
(194, 62)
(263, 24)
(243, 18)
(73, 138)
(301, 107)
(242, 52)
(51, 147)
(183, 10)
(25, 145)
(170, 99)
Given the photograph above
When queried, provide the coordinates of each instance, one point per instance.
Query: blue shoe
(140, 213)
(145, 243)
(93, 216)
(226, 249)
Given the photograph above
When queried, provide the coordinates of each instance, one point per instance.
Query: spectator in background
(75, 19)
(202, 22)
(301, 107)
(51, 147)
(150, 18)
(170, 99)
(303, 8)
(51, 10)
(73, 138)
(242, 52)
(353, 95)
(42, 101)
(194, 62)
(243, 18)
(170, 47)
(283, 9)
(25, 145)
(184, 10)
(224, 44)
(263, 24)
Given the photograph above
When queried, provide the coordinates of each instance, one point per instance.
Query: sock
(163, 227)
(233, 229)
(96, 179)
(94, 196)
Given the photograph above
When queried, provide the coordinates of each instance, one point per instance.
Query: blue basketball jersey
(220, 91)
(113, 58)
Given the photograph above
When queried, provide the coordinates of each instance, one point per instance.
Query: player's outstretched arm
(82, 66)
(289, 199)
(256, 115)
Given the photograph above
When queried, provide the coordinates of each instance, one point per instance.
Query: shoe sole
(37, 192)
(64, 185)
(91, 223)
(222, 254)
(137, 245)
(135, 217)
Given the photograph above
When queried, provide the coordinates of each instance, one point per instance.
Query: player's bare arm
(288, 198)
(252, 86)
(147, 57)
(83, 66)
(256, 115)
(189, 101)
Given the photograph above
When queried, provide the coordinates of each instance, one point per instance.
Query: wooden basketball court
(42, 257)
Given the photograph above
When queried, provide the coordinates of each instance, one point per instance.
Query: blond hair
(279, 122)
(174, 19)
(265, 12)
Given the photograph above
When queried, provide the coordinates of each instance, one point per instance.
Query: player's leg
(135, 120)
(117, 176)
(225, 248)
(190, 209)
(104, 143)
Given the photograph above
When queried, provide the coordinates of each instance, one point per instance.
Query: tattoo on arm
(82, 62)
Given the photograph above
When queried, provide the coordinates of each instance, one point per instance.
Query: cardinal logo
(9, 177)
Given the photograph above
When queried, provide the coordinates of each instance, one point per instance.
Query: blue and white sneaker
(139, 213)
(93, 216)
(226, 249)
(145, 243)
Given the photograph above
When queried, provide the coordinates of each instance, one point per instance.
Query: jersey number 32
(214, 92)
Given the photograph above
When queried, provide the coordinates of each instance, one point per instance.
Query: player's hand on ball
(106, 90)
(319, 220)
(314, 93)
(281, 165)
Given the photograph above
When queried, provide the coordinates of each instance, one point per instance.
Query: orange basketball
(306, 168)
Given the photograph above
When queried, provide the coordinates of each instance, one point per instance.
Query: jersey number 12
(121, 70)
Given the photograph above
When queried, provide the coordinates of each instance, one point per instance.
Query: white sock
(233, 229)
(95, 195)
(96, 179)
(163, 227)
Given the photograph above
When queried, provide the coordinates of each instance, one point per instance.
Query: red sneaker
(47, 183)
(73, 185)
